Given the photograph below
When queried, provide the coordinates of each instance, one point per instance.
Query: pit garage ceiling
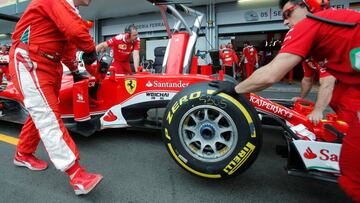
(118, 8)
(100, 9)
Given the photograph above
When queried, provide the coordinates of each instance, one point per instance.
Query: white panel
(234, 14)
(243, 28)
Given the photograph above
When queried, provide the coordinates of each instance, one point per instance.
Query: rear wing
(178, 11)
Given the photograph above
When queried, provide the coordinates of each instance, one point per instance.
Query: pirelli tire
(211, 136)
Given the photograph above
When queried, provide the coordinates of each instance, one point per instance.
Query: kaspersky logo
(309, 154)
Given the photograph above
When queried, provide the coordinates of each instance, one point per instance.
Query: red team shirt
(311, 67)
(121, 49)
(250, 52)
(228, 57)
(335, 47)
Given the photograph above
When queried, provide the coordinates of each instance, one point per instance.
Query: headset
(316, 5)
(128, 29)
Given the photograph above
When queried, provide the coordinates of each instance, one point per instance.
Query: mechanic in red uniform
(331, 40)
(123, 45)
(250, 58)
(228, 57)
(4, 66)
(47, 33)
(327, 82)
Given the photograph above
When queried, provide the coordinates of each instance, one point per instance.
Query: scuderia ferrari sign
(130, 85)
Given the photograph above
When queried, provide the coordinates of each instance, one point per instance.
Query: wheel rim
(208, 133)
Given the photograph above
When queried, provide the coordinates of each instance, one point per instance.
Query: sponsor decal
(122, 46)
(110, 117)
(321, 156)
(92, 83)
(309, 154)
(270, 107)
(324, 155)
(180, 102)
(158, 95)
(240, 159)
(149, 84)
(130, 85)
(80, 98)
(156, 83)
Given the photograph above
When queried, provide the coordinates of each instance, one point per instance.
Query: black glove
(77, 76)
(223, 86)
(103, 67)
(89, 58)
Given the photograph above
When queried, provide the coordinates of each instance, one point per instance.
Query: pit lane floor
(137, 168)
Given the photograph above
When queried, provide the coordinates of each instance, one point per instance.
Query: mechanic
(330, 34)
(48, 32)
(4, 70)
(122, 46)
(325, 92)
(250, 58)
(228, 57)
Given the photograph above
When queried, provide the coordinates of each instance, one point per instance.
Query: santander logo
(149, 84)
(110, 117)
(309, 154)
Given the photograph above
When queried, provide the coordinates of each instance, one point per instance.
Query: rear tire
(211, 136)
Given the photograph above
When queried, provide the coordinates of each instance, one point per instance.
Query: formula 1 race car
(118, 101)
(212, 136)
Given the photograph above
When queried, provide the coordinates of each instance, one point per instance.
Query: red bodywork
(298, 115)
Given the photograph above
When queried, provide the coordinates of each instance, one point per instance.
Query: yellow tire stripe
(241, 107)
(190, 169)
(8, 139)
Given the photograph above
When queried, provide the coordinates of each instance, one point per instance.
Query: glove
(223, 86)
(256, 65)
(89, 58)
(77, 76)
(103, 67)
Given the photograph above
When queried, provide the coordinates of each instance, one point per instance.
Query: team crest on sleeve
(130, 85)
(355, 59)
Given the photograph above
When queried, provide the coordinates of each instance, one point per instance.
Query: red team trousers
(346, 104)
(40, 88)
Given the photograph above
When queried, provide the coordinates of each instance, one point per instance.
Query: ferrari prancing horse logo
(130, 85)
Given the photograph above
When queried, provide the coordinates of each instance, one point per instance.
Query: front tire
(211, 136)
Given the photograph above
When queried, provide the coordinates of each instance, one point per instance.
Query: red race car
(212, 136)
